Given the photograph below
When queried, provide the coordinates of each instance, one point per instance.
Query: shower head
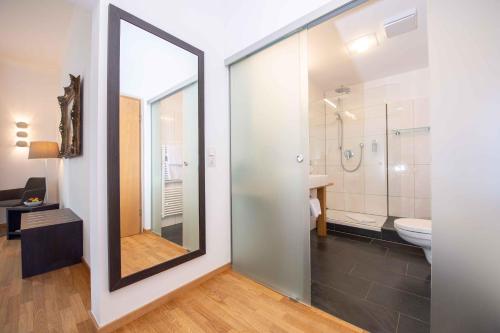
(343, 90)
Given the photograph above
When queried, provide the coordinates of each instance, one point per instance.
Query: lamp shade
(43, 149)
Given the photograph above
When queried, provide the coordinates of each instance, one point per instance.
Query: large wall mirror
(156, 196)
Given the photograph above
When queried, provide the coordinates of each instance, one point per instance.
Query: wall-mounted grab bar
(399, 131)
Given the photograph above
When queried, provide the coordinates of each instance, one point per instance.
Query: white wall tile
(336, 176)
(354, 202)
(374, 125)
(318, 169)
(317, 131)
(423, 208)
(400, 115)
(317, 149)
(422, 181)
(376, 204)
(401, 149)
(401, 183)
(331, 117)
(354, 182)
(402, 206)
(335, 200)
(422, 148)
(375, 110)
(332, 152)
(375, 180)
(331, 131)
(353, 127)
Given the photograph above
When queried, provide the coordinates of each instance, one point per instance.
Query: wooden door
(130, 166)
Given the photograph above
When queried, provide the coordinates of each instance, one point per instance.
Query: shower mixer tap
(348, 153)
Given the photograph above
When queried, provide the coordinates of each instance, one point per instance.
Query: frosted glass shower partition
(269, 167)
(174, 166)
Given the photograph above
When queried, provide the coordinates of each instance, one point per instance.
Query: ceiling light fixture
(362, 44)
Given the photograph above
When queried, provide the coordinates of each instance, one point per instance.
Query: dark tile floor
(173, 233)
(377, 285)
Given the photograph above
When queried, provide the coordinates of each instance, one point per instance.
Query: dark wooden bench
(14, 217)
(50, 240)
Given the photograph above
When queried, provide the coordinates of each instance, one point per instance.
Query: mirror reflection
(159, 208)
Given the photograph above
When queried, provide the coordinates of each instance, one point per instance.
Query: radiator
(171, 196)
(165, 168)
(172, 200)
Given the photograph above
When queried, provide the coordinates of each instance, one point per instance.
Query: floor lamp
(44, 150)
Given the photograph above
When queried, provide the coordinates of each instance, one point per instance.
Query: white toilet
(417, 232)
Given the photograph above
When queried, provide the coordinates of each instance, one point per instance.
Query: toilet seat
(420, 226)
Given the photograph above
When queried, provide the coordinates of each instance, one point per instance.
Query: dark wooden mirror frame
(116, 281)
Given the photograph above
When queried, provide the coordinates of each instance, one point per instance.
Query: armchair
(35, 187)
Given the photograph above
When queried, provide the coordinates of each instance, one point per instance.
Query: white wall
(465, 115)
(28, 92)
(198, 23)
(74, 175)
(246, 22)
(149, 66)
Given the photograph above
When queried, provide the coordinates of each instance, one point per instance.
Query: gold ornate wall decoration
(71, 126)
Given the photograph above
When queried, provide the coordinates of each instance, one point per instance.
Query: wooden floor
(230, 302)
(146, 250)
(59, 301)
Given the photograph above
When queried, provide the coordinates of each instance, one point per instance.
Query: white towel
(315, 207)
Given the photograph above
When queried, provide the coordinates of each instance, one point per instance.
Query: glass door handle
(300, 158)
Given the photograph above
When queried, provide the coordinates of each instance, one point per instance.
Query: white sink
(318, 181)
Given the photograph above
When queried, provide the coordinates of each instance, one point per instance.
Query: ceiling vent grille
(401, 24)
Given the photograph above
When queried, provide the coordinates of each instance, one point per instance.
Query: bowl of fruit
(33, 202)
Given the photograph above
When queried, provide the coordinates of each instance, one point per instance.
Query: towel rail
(399, 131)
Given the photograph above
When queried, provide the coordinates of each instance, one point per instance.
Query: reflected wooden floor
(57, 301)
(146, 250)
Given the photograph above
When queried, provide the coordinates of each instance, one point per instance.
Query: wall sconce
(22, 134)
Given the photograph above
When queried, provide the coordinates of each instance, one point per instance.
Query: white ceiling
(150, 65)
(330, 65)
(34, 31)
